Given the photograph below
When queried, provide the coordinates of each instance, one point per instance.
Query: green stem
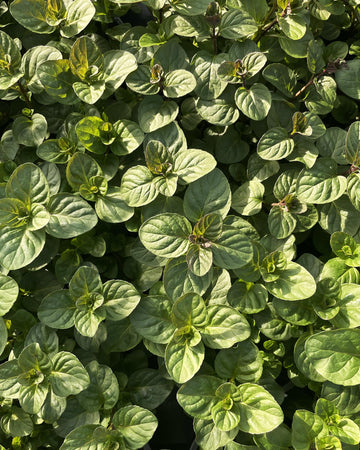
(262, 30)
(24, 94)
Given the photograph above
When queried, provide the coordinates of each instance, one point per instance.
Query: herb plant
(180, 224)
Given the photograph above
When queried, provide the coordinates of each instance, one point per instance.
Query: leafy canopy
(180, 211)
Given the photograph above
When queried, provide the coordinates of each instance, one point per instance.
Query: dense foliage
(180, 218)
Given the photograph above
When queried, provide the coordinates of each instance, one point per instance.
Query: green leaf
(205, 67)
(353, 185)
(154, 113)
(306, 427)
(275, 144)
(31, 61)
(57, 310)
(3, 335)
(9, 291)
(103, 390)
(137, 187)
(197, 396)
(190, 9)
(86, 60)
(334, 354)
(221, 111)
(140, 81)
(280, 438)
(346, 430)
(189, 311)
(28, 184)
(80, 169)
(338, 137)
(226, 418)
(118, 64)
(9, 376)
(281, 222)
(339, 215)
(328, 441)
(112, 207)
(89, 93)
(45, 337)
(253, 62)
(199, 259)
(298, 313)
(82, 437)
(226, 326)
(298, 48)
(193, 164)
(282, 77)
(149, 39)
(121, 336)
(31, 398)
(348, 315)
(152, 319)
(320, 184)
(120, 299)
(148, 388)
(128, 137)
(33, 15)
(348, 79)
(137, 425)
(70, 216)
(243, 362)
(90, 131)
(182, 359)
(179, 279)
(237, 24)
(292, 25)
(78, 16)
(10, 61)
(210, 194)
(345, 398)
(57, 79)
(303, 362)
(247, 199)
(166, 235)
(254, 102)
(315, 60)
(178, 83)
(53, 407)
(346, 248)
(259, 412)
(17, 422)
(171, 56)
(20, 246)
(337, 269)
(294, 283)
(86, 280)
(248, 297)
(232, 249)
(68, 376)
(352, 145)
(209, 436)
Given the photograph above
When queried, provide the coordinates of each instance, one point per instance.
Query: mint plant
(179, 224)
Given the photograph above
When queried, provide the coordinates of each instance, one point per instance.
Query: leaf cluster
(180, 212)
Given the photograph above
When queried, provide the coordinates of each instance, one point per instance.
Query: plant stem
(24, 94)
(262, 31)
(309, 83)
(214, 40)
